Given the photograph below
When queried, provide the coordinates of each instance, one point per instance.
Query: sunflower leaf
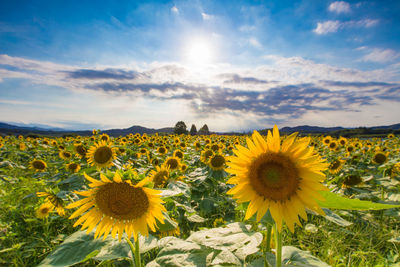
(336, 201)
(80, 247)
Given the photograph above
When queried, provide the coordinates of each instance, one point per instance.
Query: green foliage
(335, 201)
(180, 128)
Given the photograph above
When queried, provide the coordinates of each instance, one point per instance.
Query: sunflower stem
(268, 238)
(267, 244)
(137, 253)
(278, 243)
(132, 250)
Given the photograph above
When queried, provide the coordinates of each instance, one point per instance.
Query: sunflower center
(81, 150)
(160, 178)
(217, 161)
(380, 158)
(37, 164)
(122, 201)
(172, 163)
(103, 154)
(274, 176)
(44, 210)
(73, 166)
(335, 165)
(208, 154)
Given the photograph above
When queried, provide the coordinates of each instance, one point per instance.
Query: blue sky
(235, 65)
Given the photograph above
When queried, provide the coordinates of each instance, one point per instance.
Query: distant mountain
(6, 128)
(36, 127)
(309, 129)
(393, 127)
(137, 129)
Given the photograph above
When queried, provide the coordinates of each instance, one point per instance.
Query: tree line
(181, 128)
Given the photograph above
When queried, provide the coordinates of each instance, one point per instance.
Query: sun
(199, 52)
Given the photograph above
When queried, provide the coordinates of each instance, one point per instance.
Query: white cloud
(364, 23)
(175, 10)
(254, 42)
(327, 27)
(206, 16)
(247, 28)
(339, 7)
(381, 55)
(335, 25)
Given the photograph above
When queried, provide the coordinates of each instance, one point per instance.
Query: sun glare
(199, 52)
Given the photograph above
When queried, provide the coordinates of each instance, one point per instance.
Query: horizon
(238, 67)
(50, 128)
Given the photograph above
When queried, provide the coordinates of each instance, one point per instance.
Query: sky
(233, 65)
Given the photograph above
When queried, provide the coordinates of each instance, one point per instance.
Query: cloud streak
(331, 26)
(295, 86)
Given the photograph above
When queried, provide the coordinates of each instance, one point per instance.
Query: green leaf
(333, 217)
(235, 237)
(335, 201)
(168, 224)
(298, 257)
(291, 257)
(181, 253)
(196, 218)
(80, 247)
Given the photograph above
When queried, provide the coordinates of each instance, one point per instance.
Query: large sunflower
(118, 205)
(101, 154)
(282, 178)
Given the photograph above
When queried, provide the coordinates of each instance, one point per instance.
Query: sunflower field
(212, 200)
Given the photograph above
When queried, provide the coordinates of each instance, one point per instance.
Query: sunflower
(155, 162)
(183, 167)
(54, 200)
(390, 136)
(332, 145)
(142, 152)
(215, 147)
(65, 154)
(173, 163)
(104, 137)
(350, 149)
(162, 150)
(159, 176)
(335, 166)
(395, 170)
(118, 205)
(379, 157)
(342, 141)
(179, 154)
(22, 146)
(217, 162)
(327, 140)
(351, 180)
(101, 155)
(38, 165)
(44, 210)
(282, 178)
(174, 232)
(80, 150)
(73, 167)
(205, 155)
(197, 145)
